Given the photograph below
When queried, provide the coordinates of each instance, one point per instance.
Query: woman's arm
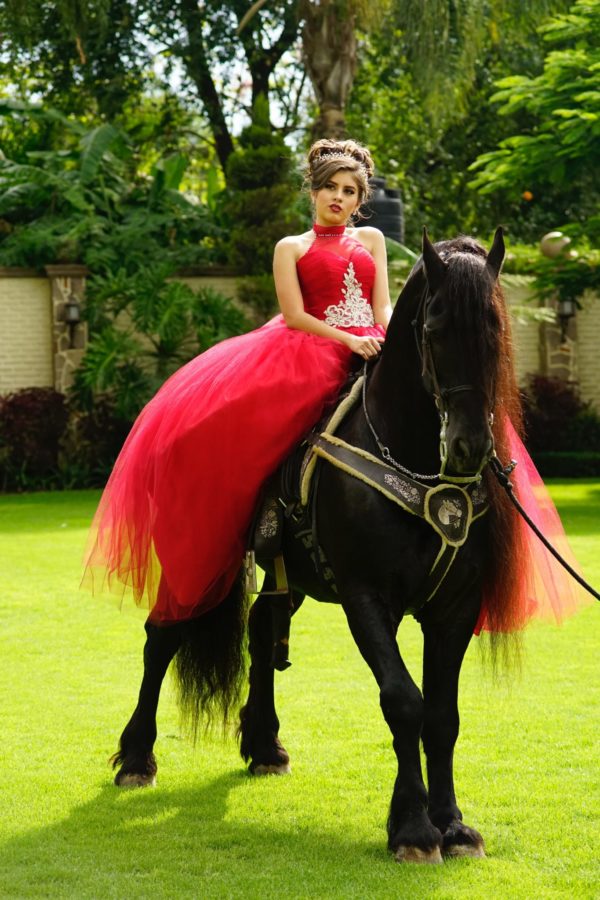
(291, 304)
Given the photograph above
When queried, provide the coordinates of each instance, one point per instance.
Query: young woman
(173, 520)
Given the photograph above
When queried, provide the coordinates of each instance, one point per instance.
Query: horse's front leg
(135, 755)
(259, 725)
(444, 649)
(411, 835)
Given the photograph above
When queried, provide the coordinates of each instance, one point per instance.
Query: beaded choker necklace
(328, 230)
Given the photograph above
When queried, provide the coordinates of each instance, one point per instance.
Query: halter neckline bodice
(328, 230)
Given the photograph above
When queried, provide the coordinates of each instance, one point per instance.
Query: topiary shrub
(261, 195)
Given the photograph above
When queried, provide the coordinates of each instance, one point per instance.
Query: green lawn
(527, 762)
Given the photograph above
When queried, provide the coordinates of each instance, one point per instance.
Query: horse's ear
(435, 267)
(495, 257)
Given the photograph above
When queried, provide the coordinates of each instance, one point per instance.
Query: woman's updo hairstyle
(326, 157)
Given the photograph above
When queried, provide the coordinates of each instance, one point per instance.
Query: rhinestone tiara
(343, 158)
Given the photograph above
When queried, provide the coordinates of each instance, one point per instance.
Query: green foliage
(86, 203)
(103, 61)
(261, 195)
(427, 94)
(258, 293)
(568, 277)
(557, 150)
(568, 464)
(85, 58)
(145, 328)
(557, 420)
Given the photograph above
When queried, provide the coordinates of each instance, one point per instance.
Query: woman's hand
(367, 347)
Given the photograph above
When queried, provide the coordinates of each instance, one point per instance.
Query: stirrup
(281, 581)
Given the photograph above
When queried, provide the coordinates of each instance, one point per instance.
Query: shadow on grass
(162, 842)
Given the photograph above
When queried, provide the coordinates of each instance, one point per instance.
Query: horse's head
(461, 325)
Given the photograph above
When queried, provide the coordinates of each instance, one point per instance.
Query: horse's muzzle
(468, 455)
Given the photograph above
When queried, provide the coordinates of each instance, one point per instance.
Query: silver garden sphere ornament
(554, 244)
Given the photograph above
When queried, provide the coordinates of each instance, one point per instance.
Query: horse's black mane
(471, 300)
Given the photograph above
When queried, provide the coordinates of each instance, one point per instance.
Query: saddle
(291, 494)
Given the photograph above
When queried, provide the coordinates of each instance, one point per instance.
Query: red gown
(173, 520)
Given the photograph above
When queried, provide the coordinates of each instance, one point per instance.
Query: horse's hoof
(475, 851)
(134, 780)
(460, 840)
(261, 769)
(416, 855)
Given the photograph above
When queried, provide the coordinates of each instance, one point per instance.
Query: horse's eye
(435, 321)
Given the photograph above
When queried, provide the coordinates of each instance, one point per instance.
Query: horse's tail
(210, 665)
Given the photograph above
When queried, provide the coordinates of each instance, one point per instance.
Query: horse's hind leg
(259, 725)
(444, 649)
(134, 756)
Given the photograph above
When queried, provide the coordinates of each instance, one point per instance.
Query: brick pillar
(68, 342)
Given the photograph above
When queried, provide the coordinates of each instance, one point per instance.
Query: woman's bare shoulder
(369, 236)
(294, 245)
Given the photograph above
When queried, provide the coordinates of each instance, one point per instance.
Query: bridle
(441, 396)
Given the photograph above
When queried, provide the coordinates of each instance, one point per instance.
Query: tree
(329, 53)
(72, 53)
(558, 153)
(88, 205)
(80, 56)
(421, 102)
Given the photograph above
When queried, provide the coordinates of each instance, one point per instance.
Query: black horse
(447, 358)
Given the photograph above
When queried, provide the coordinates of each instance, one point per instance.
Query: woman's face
(336, 200)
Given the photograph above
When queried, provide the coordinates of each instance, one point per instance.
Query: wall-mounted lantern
(565, 310)
(72, 317)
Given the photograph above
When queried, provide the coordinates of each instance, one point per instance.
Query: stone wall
(37, 347)
(588, 349)
(544, 349)
(67, 285)
(525, 333)
(26, 358)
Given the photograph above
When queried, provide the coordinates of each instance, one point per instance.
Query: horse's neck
(403, 413)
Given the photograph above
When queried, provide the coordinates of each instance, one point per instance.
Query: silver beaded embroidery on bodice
(354, 311)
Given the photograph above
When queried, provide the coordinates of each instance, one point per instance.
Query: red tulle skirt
(173, 520)
(546, 590)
